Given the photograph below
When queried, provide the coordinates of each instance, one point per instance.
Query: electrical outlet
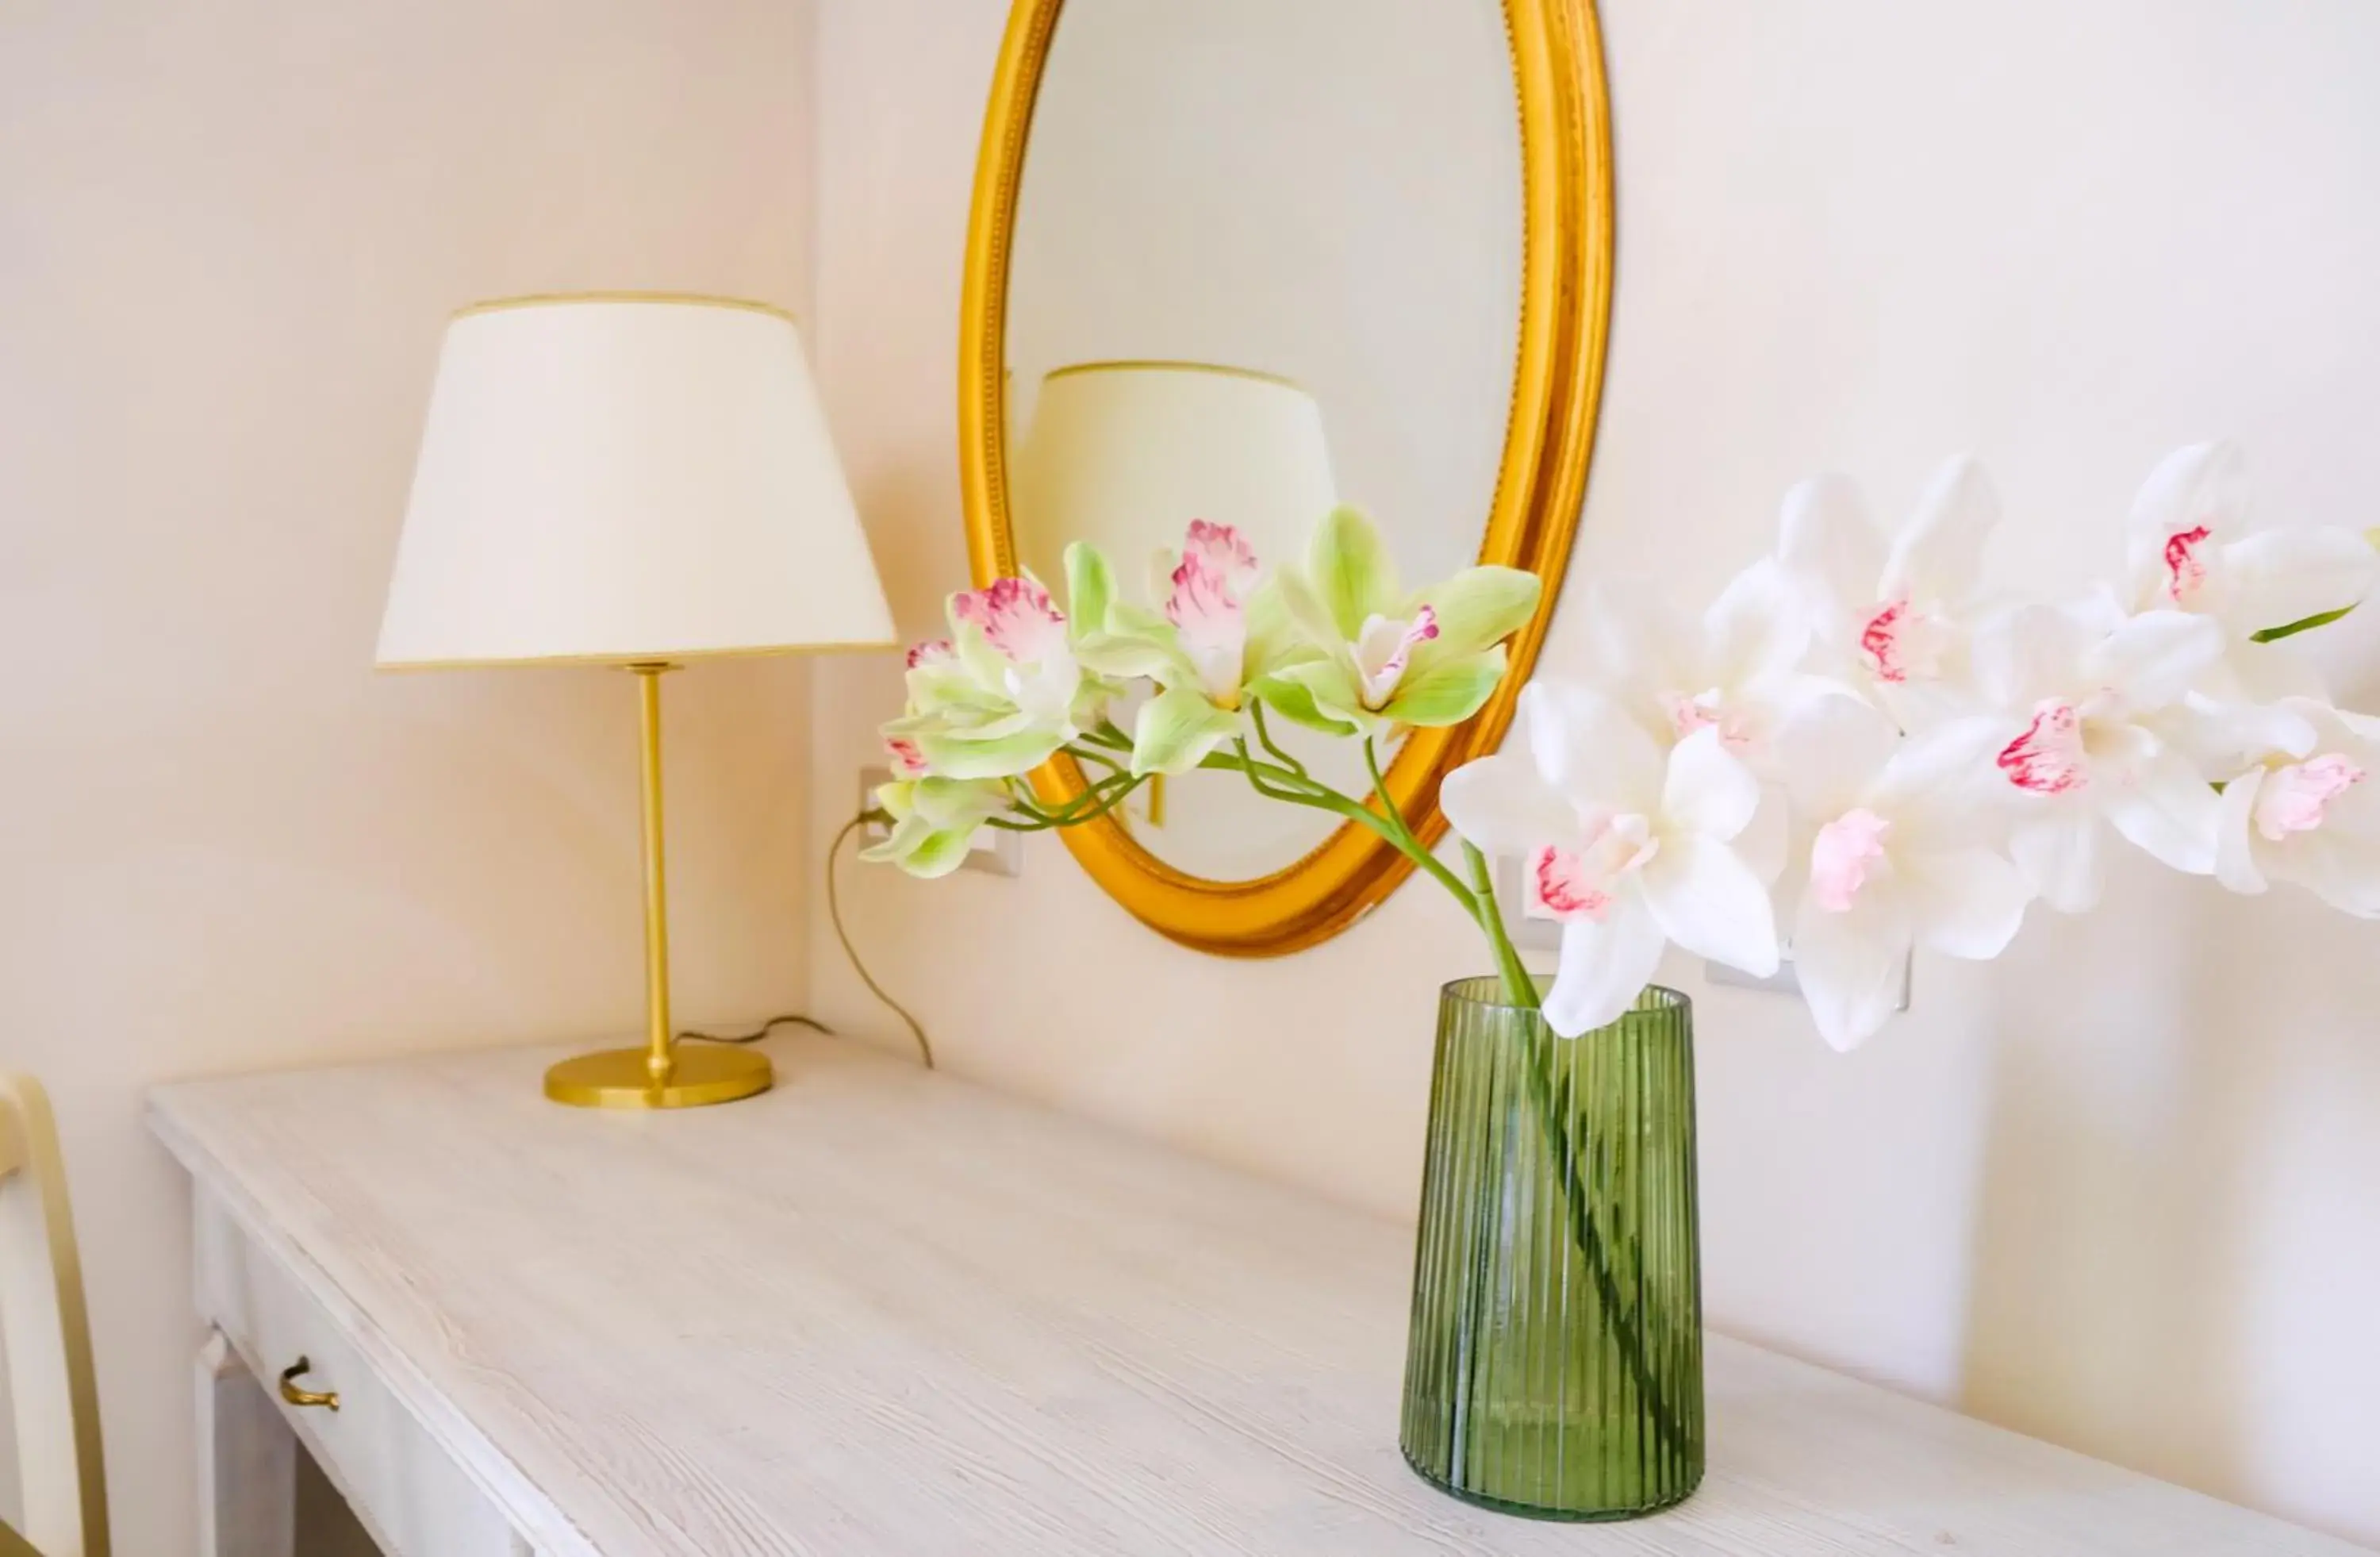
(994, 850)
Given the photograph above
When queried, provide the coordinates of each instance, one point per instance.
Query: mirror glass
(1266, 258)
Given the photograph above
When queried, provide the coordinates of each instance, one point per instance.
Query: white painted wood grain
(408, 1493)
(880, 1312)
(248, 1461)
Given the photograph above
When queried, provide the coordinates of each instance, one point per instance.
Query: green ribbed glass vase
(1555, 1367)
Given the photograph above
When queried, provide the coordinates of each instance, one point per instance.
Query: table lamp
(635, 480)
(1124, 455)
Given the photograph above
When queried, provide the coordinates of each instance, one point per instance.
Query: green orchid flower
(1220, 631)
(934, 821)
(1382, 657)
(1005, 690)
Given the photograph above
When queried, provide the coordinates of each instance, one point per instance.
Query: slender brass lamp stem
(658, 1075)
(659, 1061)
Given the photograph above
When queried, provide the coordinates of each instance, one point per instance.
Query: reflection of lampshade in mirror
(1124, 455)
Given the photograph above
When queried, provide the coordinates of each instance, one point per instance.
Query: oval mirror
(1244, 259)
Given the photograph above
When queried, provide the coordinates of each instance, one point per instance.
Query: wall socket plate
(994, 850)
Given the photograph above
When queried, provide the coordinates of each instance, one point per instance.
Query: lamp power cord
(851, 953)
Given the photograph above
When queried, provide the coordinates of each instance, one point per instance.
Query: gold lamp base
(703, 1072)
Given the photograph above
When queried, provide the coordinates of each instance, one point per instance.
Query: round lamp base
(705, 1073)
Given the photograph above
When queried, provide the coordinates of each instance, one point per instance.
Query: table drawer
(414, 1500)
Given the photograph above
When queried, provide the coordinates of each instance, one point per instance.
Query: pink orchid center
(2297, 798)
(1582, 883)
(1208, 606)
(1709, 710)
(1849, 851)
(1900, 643)
(1016, 618)
(2185, 564)
(906, 758)
(1385, 648)
(1017, 622)
(1567, 889)
(2049, 759)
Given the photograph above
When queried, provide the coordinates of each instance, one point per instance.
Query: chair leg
(248, 1461)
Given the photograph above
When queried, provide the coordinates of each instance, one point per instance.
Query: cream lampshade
(618, 479)
(633, 480)
(1124, 455)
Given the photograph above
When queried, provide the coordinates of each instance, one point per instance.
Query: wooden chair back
(46, 1334)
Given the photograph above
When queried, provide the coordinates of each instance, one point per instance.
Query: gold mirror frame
(1565, 315)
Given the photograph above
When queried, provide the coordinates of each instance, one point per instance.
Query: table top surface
(879, 1311)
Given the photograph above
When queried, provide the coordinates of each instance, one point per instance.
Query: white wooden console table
(879, 1311)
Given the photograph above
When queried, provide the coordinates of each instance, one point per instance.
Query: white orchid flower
(2188, 549)
(1629, 848)
(1384, 657)
(1898, 852)
(933, 822)
(1219, 629)
(2310, 816)
(1896, 618)
(1737, 670)
(2091, 707)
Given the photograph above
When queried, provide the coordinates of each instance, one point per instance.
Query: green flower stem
(1100, 798)
(1402, 834)
(1519, 986)
(1264, 736)
(1280, 784)
(1094, 802)
(1034, 813)
(1555, 1112)
(1273, 783)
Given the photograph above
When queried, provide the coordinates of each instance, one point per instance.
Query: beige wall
(2117, 1189)
(229, 235)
